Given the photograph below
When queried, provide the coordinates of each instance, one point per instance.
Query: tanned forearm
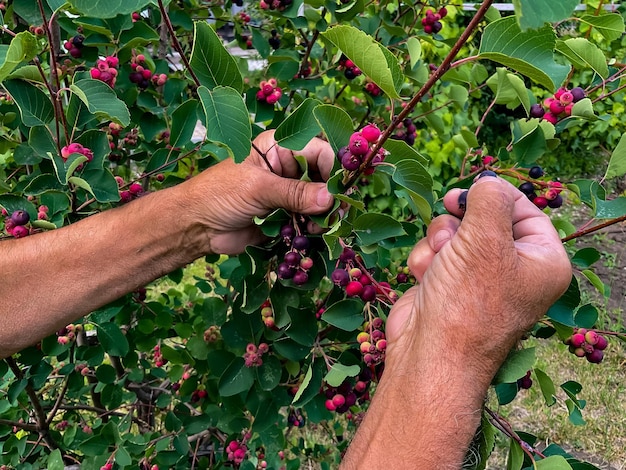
(423, 415)
(50, 279)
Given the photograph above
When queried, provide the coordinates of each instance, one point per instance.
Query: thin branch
(176, 44)
(430, 83)
(595, 228)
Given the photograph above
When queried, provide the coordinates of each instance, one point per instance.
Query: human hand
(485, 277)
(226, 197)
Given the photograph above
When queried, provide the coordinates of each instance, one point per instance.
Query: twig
(595, 228)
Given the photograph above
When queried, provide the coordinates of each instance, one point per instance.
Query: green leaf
(516, 456)
(531, 53)
(563, 309)
(101, 100)
(211, 62)
(414, 46)
(372, 228)
(23, 47)
(236, 378)
(412, 176)
(506, 392)
(34, 105)
(510, 90)
(583, 53)
(371, 57)
(336, 124)
(483, 443)
(269, 373)
(586, 316)
(535, 13)
(101, 184)
(595, 280)
(310, 387)
(554, 462)
(340, 372)
(516, 365)
(55, 460)
(547, 387)
(110, 8)
(298, 129)
(112, 339)
(617, 162)
(184, 121)
(611, 25)
(227, 120)
(345, 314)
(528, 146)
(585, 257)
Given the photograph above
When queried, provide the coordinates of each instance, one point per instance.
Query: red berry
(371, 133)
(354, 288)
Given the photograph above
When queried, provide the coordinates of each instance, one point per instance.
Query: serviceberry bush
(235, 364)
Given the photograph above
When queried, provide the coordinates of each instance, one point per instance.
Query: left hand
(225, 198)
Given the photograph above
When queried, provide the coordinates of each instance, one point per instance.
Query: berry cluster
(74, 46)
(278, 5)
(244, 17)
(350, 70)
(134, 190)
(253, 355)
(269, 91)
(68, 333)
(404, 275)
(296, 263)
(431, 22)
(75, 147)
(372, 342)
(212, 334)
(296, 418)
(358, 283)
(557, 106)
(351, 156)
(106, 70)
(198, 394)
(406, 131)
(341, 398)
(142, 76)
(236, 452)
(588, 344)
(267, 315)
(17, 224)
(373, 89)
(159, 360)
(542, 194)
(525, 382)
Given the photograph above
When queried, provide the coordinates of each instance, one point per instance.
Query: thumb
(297, 196)
(489, 213)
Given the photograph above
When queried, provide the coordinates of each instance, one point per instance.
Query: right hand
(485, 278)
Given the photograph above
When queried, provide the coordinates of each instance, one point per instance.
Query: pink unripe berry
(551, 118)
(580, 352)
(330, 406)
(559, 92)
(362, 337)
(95, 74)
(360, 386)
(371, 133)
(602, 343)
(591, 337)
(271, 99)
(381, 344)
(541, 202)
(566, 98)
(355, 273)
(358, 144)
(19, 231)
(365, 279)
(306, 263)
(135, 188)
(577, 340)
(354, 288)
(365, 347)
(339, 400)
(556, 108)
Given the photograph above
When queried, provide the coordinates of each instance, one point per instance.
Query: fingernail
(324, 198)
(441, 238)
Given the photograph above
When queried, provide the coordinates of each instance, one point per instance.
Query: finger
(294, 195)
(439, 233)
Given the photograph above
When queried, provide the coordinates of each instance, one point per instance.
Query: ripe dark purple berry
(284, 271)
(347, 255)
(340, 277)
(351, 162)
(463, 200)
(300, 277)
(342, 152)
(349, 74)
(292, 258)
(535, 172)
(595, 356)
(537, 111)
(20, 217)
(301, 243)
(287, 232)
(527, 188)
(487, 173)
(578, 93)
(368, 294)
(556, 202)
